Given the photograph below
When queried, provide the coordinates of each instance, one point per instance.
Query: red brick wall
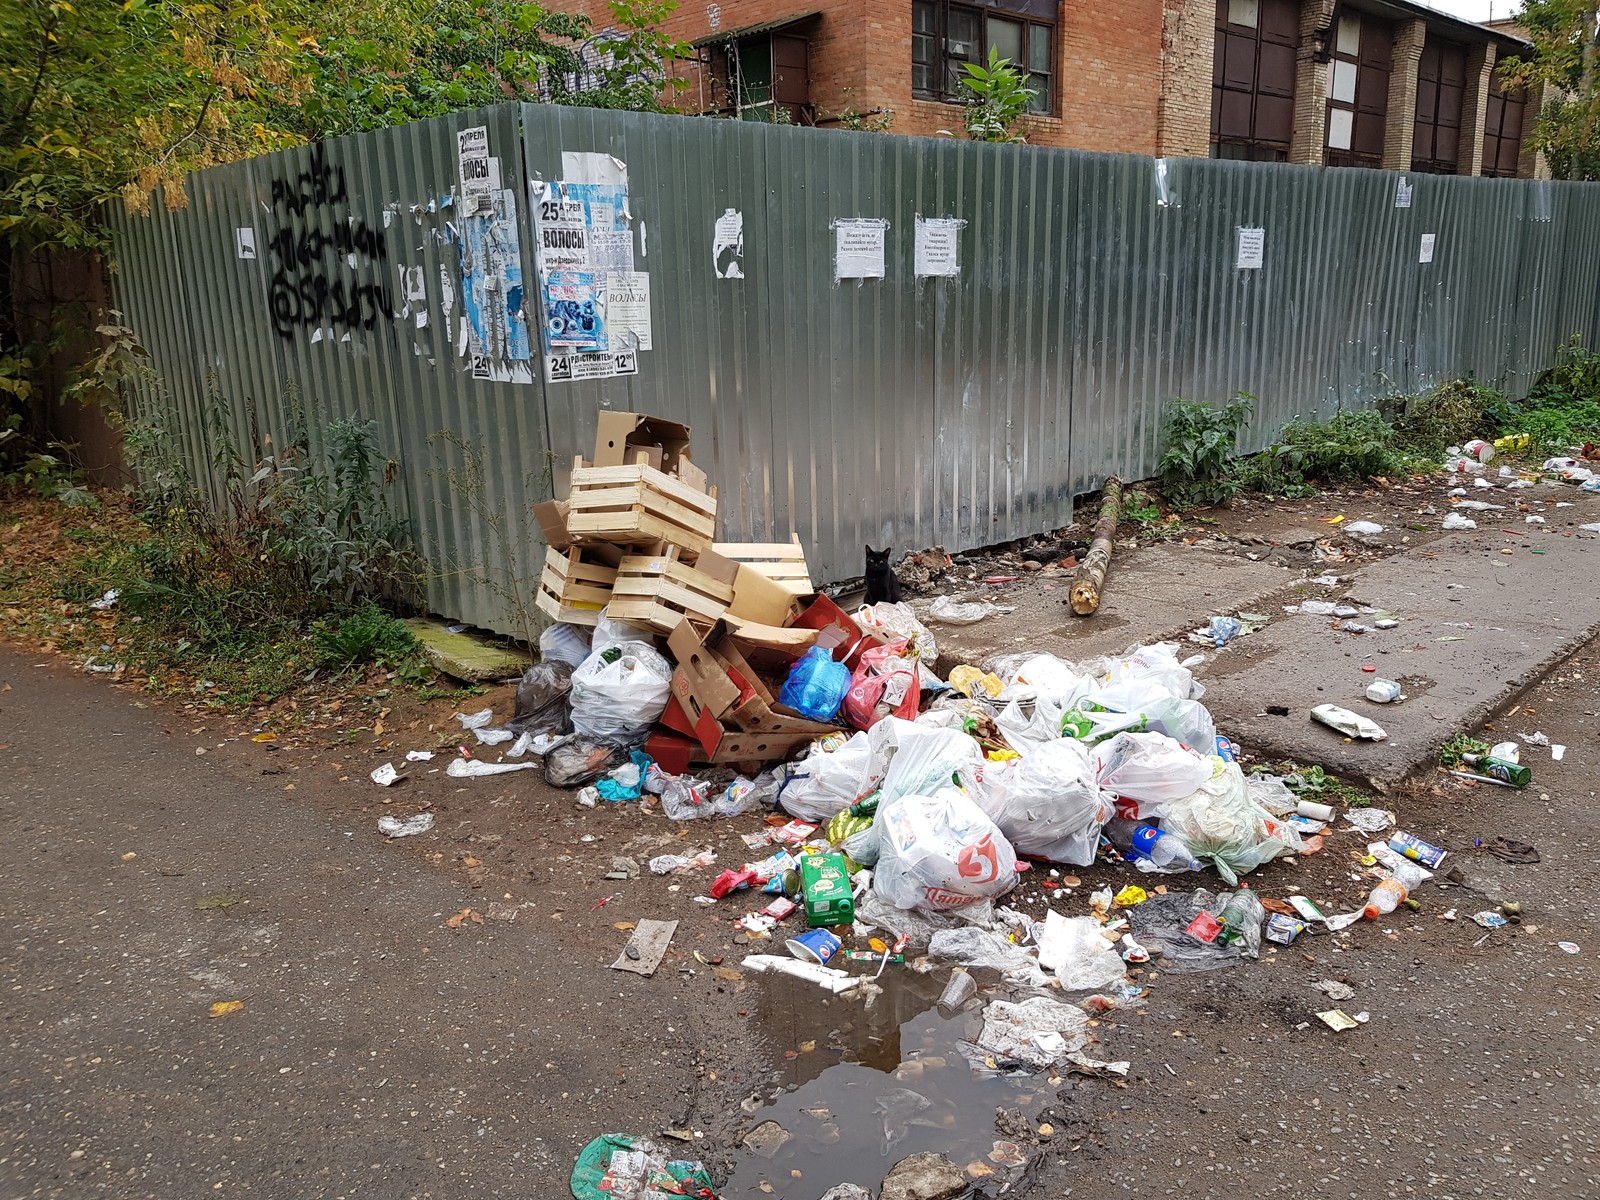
(1108, 65)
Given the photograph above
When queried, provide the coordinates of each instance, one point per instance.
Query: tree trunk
(1091, 576)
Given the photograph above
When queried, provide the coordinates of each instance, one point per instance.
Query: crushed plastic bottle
(1149, 849)
(1392, 892)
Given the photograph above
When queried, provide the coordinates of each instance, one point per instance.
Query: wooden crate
(574, 588)
(782, 562)
(635, 505)
(660, 590)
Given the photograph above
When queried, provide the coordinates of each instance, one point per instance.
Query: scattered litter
(386, 775)
(1534, 739)
(1369, 821)
(1512, 851)
(670, 864)
(394, 827)
(419, 755)
(1338, 1020)
(109, 600)
(1383, 691)
(1219, 632)
(620, 1165)
(1334, 990)
(1490, 919)
(1038, 1032)
(947, 610)
(226, 1008)
(645, 949)
(1317, 608)
(1364, 527)
(1457, 521)
(1569, 947)
(1558, 752)
(476, 768)
(1348, 723)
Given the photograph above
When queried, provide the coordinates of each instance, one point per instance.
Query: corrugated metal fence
(908, 411)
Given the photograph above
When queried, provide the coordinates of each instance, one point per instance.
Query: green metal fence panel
(908, 410)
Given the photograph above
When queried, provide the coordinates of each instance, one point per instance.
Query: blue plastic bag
(816, 685)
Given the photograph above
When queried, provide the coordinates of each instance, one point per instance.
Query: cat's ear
(869, 550)
(888, 550)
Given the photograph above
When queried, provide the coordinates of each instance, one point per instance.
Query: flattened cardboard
(760, 600)
(822, 612)
(674, 751)
(552, 518)
(620, 436)
(649, 941)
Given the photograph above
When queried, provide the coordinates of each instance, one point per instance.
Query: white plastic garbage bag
(619, 701)
(565, 643)
(1032, 674)
(608, 633)
(925, 759)
(1188, 721)
(1157, 663)
(1220, 822)
(1075, 950)
(1147, 771)
(1048, 803)
(940, 852)
(826, 782)
(1030, 724)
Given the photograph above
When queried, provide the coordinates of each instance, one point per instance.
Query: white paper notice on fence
(858, 247)
(594, 168)
(472, 156)
(244, 241)
(1425, 254)
(727, 245)
(628, 309)
(938, 245)
(568, 368)
(1402, 192)
(1252, 248)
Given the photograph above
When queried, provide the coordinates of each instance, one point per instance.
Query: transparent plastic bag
(580, 760)
(898, 622)
(569, 644)
(1082, 959)
(940, 852)
(1030, 674)
(1147, 771)
(1037, 1032)
(542, 699)
(826, 782)
(926, 760)
(974, 947)
(1048, 803)
(1163, 919)
(947, 610)
(1028, 724)
(608, 633)
(1219, 822)
(619, 701)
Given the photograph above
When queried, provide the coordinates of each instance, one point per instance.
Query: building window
(1252, 79)
(946, 36)
(1441, 92)
(1502, 129)
(1358, 91)
(762, 77)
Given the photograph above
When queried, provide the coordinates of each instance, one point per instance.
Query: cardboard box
(552, 518)
(674, 751)
(727, 704)
(822, 613)
(620, 438)
(759, 599)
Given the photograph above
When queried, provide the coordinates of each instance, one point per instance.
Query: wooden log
(1091, 576)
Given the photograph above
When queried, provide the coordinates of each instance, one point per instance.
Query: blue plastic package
(816, 685)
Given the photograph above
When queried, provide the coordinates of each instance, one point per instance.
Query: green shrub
(368, 635)
(1448, 415)
(1200, 443)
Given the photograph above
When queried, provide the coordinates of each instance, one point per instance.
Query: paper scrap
(1252, 248)
(472, 158)
(1425, 254)
(645, 949)
(859, 247)
(727, 245)
(1403, 189)
(937, 247)
(584, 167)
(244, 242)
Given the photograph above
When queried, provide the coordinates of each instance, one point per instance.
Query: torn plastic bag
(1027, 724)
(1272, 793)
(1048, 803)
(897, 622)
(581, 760)
(620, 1166)
(917, 927)
(542, 706)
(1219, 822)
(565, 643)
(1080, 956)
(1184, 720)
(1164, 920)
(1147, 771)
(926, 760)
(1157, 663)
(940, 852)
(1038, 1032)
(1031, 674)
(608, 633)
(826, 782)
(947, 610)
(974, 947)
(885, 683)
(618, 701)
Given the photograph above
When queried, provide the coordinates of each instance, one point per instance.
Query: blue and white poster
(494, 319)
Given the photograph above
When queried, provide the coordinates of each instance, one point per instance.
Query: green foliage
(395, 61)
(1563, 34)
(367, 635)
(996, 100)
(1200, 442)
(1354, 446)
(1448, 415)
(1450, 753)
(52, 477)
(1314, 781)
(874, 121)
(1563, 406)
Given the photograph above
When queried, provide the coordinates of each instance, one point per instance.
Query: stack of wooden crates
(636, 533)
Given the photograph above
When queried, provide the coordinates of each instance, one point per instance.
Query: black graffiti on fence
(314, 278)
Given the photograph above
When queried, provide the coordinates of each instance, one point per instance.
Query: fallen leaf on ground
(622, 925)
(265, 737)
(466, 914)
(223, 1008)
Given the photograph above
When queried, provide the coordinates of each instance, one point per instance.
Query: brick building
(1385, 83)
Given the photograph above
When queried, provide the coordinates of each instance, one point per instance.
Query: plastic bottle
(1148, 848)
(1391, 893)
(816, 685)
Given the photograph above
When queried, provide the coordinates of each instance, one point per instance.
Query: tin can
(1283, 930)
(1225, 750)
(826, 881)
(1416, 849)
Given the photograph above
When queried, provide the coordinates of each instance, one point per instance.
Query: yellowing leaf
(224, 1008)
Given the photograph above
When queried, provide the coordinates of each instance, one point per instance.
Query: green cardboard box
(826, 881)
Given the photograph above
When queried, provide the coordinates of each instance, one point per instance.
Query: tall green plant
(1200, 440)
(996, 100)
(1565, 37)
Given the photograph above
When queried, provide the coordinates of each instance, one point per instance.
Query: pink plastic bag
(868, 686)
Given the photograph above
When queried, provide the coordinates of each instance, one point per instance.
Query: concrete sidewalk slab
(1515, 617)
(1151, 593)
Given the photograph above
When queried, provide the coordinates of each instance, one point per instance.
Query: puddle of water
(869, 1086)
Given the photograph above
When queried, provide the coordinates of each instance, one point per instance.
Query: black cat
(881, 582)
